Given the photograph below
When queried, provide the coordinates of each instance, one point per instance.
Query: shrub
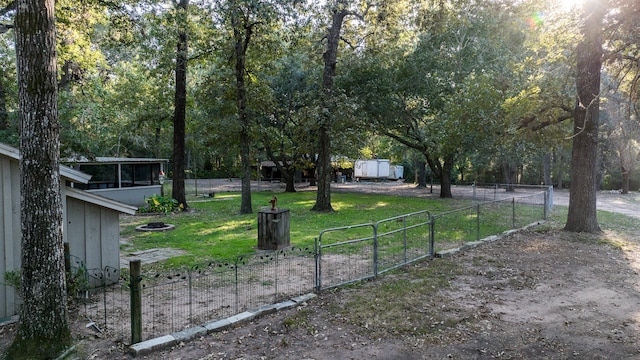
(161, 204)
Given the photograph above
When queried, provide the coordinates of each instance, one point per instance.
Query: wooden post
(273, 229)
(67, 258)
(136, 301)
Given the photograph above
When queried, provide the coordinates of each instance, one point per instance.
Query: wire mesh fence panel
(106, 303)
(255, 284)
(529, 209)
(213, 291)
(402, 239)
(454, 228)
(346, 255)
(295, 272)
(495, 217)
(165, 305)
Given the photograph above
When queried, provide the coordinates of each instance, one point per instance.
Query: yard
(541, 293)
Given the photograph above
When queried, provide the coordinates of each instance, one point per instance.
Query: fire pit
(155, 226)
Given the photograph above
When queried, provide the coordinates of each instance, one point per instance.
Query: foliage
(13, 278)
(161, 204)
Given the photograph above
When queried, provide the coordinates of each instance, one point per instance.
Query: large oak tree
(43, 329)
(582, 216)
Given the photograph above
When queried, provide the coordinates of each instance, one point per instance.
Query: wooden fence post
(136, 301)
(67, 258)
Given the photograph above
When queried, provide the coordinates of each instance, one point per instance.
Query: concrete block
(217, 325)
(189, 334)
(148, 346)
(243, 316)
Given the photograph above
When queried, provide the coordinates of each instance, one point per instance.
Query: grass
(215, 230)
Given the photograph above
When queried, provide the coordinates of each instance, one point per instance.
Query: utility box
(273, 229)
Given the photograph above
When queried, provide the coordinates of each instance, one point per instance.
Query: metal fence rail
(188, 297)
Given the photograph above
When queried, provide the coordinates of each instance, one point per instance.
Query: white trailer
(396, 172)
(371, 169)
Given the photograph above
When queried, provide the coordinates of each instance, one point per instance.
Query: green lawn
(215, 230)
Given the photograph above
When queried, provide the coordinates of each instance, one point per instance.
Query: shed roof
(111, 160)
(65, 171)
(75, 176)
(93, 198)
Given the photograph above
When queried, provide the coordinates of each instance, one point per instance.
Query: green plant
(13, 278)
(161, 204)
(77, 282)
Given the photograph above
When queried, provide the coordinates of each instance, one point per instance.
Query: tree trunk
(509, 174)
(43, 330)
(242, 35)
(421, 173)
(290, 181)
(546, 169)
(582, 216)
(180, 110)
(445, 178)
(625, 179)
(558, 160)
(323, 195)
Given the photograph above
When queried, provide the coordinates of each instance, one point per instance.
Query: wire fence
(184, 298)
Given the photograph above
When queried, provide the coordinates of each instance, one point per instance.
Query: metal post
(404, 236)
(513, 213)
(189, 274)
(318, 257)
(375, 250)
(432, 224)
(478, 222)
(473, 186)
(136, 300)
(237, 290)
(275, 278)
(546, 204)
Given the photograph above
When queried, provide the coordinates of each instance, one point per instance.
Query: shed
(128, 180)
(91, 224)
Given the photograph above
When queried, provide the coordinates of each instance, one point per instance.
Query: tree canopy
(479, 91)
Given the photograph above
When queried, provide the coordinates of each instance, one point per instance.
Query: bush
(161, 204)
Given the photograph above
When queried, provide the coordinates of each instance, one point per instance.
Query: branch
(5, 27)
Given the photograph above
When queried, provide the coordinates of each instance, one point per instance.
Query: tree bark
(509, 171)
(43, 330)
(242, 36)
(582, 216)
(180, 108)
(421, 173)
(323, 195)
(625, 179)
(442, 169)
(546, 169)
(445, 178)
